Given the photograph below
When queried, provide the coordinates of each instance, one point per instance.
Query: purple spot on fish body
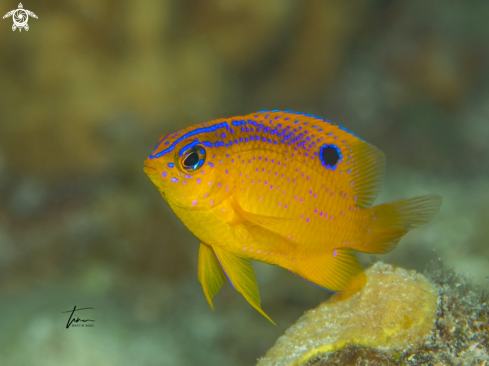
(174, 180)
(335, 253)
(164, 174)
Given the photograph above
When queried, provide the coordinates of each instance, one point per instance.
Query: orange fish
(283, 188)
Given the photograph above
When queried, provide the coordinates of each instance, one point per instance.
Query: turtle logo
(20, 17)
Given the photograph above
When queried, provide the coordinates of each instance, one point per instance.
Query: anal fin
(337, 271)
(240, 273)
(211, 275)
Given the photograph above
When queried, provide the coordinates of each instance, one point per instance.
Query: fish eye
(330, 156)
(192, 158)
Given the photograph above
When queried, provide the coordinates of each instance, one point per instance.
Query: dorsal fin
(366, 174)
(360, 168)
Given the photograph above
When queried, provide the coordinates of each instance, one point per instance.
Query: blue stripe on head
(190, 134)
(188, 146)
(160, 142)
(260, 124)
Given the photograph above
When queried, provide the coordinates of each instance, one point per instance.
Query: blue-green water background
(89, 89)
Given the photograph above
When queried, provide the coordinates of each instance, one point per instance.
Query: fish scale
(284, 188)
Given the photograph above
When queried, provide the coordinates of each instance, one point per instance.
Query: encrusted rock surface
(399, 318)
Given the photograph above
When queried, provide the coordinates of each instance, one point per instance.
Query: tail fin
(389, 222)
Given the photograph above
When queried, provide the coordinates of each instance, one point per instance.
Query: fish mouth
(152, 173)
(150, 170)
(148, 166)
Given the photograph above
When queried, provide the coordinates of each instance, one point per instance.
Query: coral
(399, 318)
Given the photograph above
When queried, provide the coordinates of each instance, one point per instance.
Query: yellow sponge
(396, 309)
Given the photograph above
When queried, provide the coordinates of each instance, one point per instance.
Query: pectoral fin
(211, 275)
(240, 273)
(252, 219)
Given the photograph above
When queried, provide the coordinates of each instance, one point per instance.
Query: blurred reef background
(89, 89)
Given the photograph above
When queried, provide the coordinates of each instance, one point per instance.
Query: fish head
(186, 171)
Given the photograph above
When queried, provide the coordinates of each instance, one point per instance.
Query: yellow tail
(389, 222)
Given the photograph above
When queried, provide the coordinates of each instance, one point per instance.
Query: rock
(399, 318)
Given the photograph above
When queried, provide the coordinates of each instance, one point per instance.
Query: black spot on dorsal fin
(330, 156)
